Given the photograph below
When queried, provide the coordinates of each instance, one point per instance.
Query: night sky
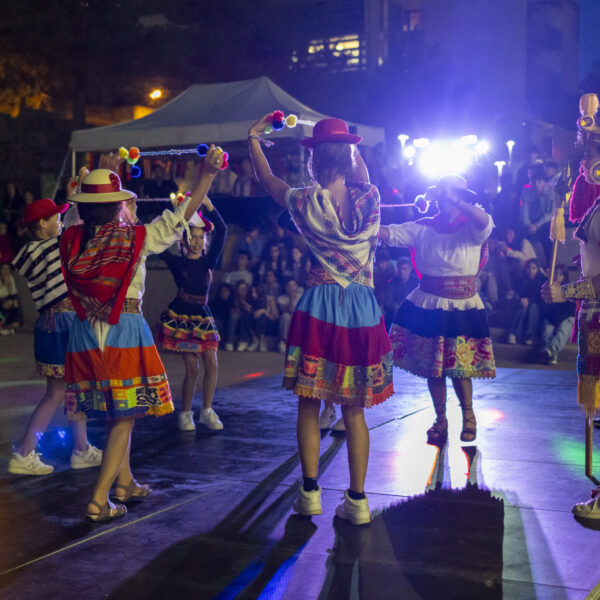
(589, 34)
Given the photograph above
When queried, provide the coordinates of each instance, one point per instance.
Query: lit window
(340, 53)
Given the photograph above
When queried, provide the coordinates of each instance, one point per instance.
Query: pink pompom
(278, 116)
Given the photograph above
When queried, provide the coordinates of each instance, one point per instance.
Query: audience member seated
(283, 239)
(396, 290)
(220, 308)
(295, 266)
(557, 321)
(241, 273)
(383, 272)
(10, 305)
(273, 286)
(287, 304)
(252, 244)
(274, 261)
(241, 318)
(245, 185)
(266, 316)
(6, 251)
(537, 206)
(526, 321)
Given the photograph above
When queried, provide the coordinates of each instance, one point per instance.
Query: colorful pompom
(278, 125)
(225, 161)
(122, 152)
(278, 115)
(291, 121)
(202, 149)
(134, 152)
(135, 171)
(268, 129)
(132, 161)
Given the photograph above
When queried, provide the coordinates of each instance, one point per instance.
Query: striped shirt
(39, 263)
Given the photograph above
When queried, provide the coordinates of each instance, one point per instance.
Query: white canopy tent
(206, 113)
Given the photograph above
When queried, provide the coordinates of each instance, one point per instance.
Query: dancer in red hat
(39, 263)
(187, 326)
(113, 370)
(337, 346)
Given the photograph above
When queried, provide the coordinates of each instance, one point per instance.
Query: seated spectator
(10, 305)
(557, 321)
(241, 273)
(283, 239)
(241, 318)
(383, 272)
(394, 293)
(274, 261)
(506, 205)
(287, 304)
(252, 244)
(537, 206)
(245, 185)
(266, 316)
(295, 265)
(526, 320)
(6, 251)
(220, 308)
(273, 286)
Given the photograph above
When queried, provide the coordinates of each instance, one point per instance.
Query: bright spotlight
(403, 138)
(409, 152)
(469, 140)
(155, 94)
(441, 158)
(421, 142)
(482, 147)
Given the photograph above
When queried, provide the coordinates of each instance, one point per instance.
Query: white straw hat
(100, 186)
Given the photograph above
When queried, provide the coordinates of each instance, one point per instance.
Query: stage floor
(485, 520)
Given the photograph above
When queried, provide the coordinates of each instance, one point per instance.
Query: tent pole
(73, 159)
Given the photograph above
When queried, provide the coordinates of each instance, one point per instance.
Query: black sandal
(108, 512)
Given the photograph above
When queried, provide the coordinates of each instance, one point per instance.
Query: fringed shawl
(347, 255)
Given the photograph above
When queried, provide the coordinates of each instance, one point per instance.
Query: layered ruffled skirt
(51, 337)
(186, 327)
(434, 336)
(126, 378)
(337, 348)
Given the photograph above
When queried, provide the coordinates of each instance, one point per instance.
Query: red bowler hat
(330, 130)
(42, 209)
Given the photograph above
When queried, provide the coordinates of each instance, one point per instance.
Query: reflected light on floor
(572, 452)
(489, 415)
(254, 375)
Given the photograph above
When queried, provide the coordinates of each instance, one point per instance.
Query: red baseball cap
(330, 130)
(42, 209)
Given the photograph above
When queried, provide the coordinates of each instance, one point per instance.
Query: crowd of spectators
(264, 273)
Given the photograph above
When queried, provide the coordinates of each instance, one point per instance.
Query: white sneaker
(511, 339)
(282, 346)
(327, 417)
(92, 457)
(241, 347)
(263, 346)
(228, 347)
(588, 510)
(308, 503)
(355, 511)
(253, 347)
(185, 421)
(339, 425)
(28, 465)
(210, 418)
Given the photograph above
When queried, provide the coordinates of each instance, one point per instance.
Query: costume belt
(64, 305)
(455, 288)
(132, 305)
(320, 276)
(190, 298)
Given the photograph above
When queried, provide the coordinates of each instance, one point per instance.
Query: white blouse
(454, 254)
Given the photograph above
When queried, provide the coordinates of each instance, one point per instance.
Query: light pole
(510, 145)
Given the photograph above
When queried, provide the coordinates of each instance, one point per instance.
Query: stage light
(421, 142)
(403, 138)
(441, 158)
(155, 94)
(409, 152)
(482, 147)
(510, 145)
(469, 140)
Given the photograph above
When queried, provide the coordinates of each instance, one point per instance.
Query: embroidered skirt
(125, 379)
(186, 327)
(588, 358)
(434, 336)
(50, 339)
(337, 348)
